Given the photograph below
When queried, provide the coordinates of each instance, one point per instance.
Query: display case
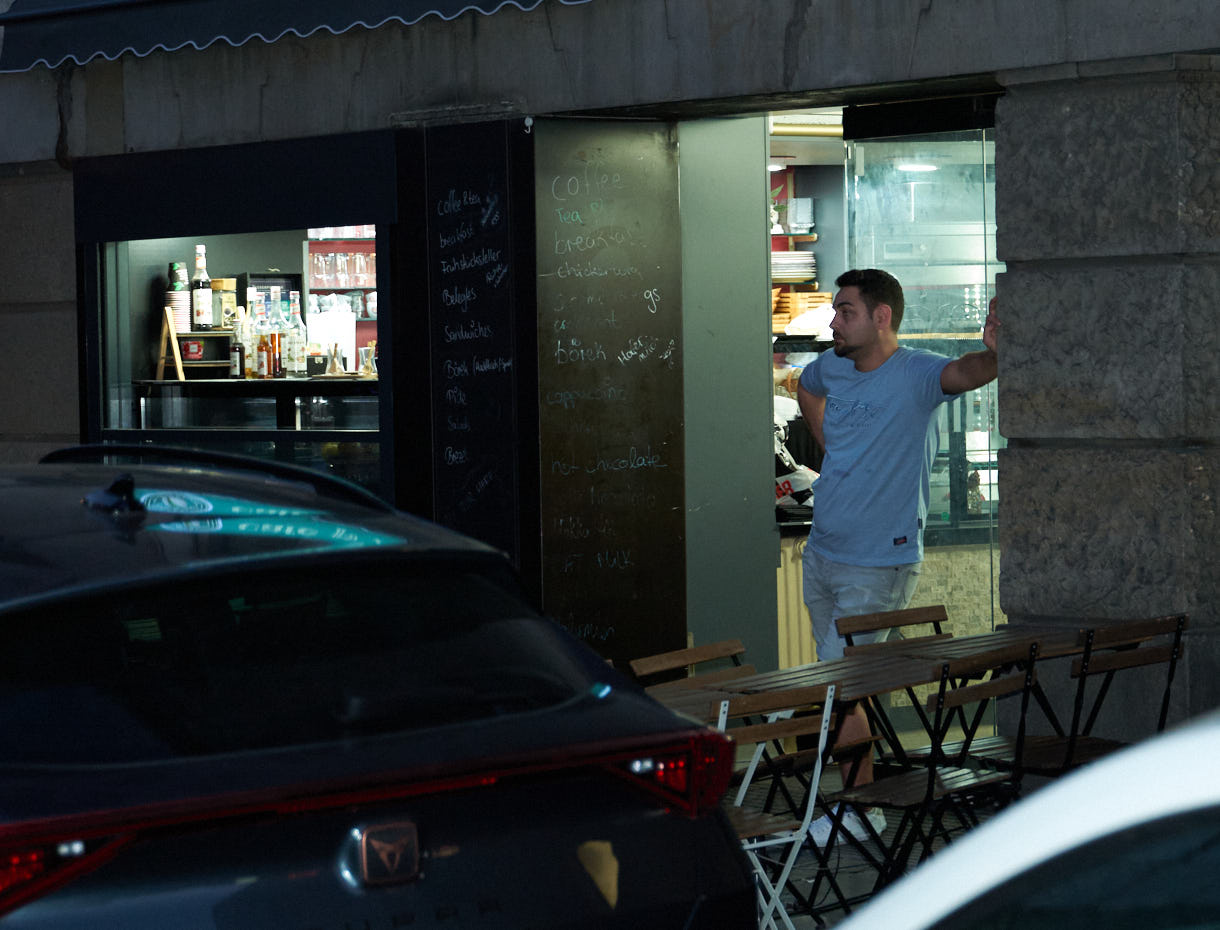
(341, 274)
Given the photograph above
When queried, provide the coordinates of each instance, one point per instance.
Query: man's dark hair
(876, 287)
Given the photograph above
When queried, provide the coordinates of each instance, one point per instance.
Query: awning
(51, 32)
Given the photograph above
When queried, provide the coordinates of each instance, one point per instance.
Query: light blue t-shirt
(871, 500)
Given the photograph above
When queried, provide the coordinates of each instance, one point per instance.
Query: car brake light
(691, 776)
(29, 871)
(21, 867)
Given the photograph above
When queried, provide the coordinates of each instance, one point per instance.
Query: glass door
(923, 208)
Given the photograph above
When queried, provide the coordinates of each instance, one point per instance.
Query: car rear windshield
(271, 657)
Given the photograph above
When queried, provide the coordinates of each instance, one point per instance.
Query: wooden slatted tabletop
(1052, 642)
(700, 703)
(872, 673)
(855, 677)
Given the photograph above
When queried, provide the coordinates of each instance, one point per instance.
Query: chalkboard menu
(472, 333)
(610, 384)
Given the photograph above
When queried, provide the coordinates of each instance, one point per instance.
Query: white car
(1129, 841)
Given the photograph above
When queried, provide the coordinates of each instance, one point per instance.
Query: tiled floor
(852, 872)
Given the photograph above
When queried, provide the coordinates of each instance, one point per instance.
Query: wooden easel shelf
(171, 350)
(170, 335)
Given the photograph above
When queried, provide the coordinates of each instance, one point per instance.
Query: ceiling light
(915, 167)
(817, 131)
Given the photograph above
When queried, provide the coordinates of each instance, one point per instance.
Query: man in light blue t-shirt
(871, 406)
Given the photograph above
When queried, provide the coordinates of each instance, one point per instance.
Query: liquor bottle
(264, 366)
(237, 358)
(297, 339)
(283, 326)
(201, 292)
(275, 320)
(238, 338)
(248, 337)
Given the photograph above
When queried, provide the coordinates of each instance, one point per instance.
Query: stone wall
(1106, 190)
(722, 55)
(966, 580)
(1106, 203)
(38, 371)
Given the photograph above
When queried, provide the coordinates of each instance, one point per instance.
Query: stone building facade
(1108, 177)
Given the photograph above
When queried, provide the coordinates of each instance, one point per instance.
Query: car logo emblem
(389, 853)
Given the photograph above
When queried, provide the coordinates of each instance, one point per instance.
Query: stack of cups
(178, 297)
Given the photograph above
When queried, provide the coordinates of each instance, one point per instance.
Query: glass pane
(286, 346)
(256, 659)
(356, 461)
(923, 208)
(227, 301)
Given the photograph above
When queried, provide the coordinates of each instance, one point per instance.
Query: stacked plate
(180, 303)
(792, 267)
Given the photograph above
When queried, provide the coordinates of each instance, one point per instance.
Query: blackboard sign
(472, 331)
(610, 384)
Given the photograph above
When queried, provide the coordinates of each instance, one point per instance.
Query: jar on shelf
(224, 303)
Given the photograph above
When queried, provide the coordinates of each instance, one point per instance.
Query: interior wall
(732, 544)
(824, 183)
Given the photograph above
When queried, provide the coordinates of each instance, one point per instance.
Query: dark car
(253, 696)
